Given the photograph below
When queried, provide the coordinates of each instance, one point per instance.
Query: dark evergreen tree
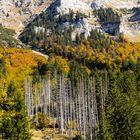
(14, 124)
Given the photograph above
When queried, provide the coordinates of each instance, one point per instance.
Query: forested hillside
(87, 89)
(15, 65)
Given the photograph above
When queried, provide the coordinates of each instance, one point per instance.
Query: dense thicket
(14, 122)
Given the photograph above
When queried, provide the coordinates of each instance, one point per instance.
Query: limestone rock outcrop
(15, 13)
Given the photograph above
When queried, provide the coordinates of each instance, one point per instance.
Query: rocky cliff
(14, 13)
(129, 18)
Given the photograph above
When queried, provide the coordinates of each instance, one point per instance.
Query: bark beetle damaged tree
(72, 104)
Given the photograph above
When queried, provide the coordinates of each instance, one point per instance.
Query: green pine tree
(14, 124)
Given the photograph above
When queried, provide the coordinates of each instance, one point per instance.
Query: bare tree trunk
(61, 104)
(49, 95)
(68, 102)
(83, 106)
(28, 96)
(71, 113)
(90, 108)
(80, 113)
(94, 108)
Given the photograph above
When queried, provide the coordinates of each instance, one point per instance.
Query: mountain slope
(17, 14)
(14, 13)
(80, 17)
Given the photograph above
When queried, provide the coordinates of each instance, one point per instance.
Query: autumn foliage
(116, 55)
(19, 63)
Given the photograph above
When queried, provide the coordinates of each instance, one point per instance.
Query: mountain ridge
(23, 11)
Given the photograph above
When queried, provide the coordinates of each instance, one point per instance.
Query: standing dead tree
(73, 104)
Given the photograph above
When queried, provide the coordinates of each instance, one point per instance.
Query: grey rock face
(14, 13)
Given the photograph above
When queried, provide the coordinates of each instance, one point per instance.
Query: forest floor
(50, 133)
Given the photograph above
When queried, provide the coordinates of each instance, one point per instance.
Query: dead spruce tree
(74, 105)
